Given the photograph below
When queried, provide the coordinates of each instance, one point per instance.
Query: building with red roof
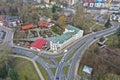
(43, 24)
(29, 26)
(39, 44)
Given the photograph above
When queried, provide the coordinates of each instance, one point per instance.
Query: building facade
(95, 3)
(70, 34)
(72, 2)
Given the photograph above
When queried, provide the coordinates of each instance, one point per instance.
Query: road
(8, 37)
(29, 54)
(81, 46)
(25, 52)
(77, 48)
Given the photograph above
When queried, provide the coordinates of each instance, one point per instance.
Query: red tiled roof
(43, 24)
(39, 43)
(29, 26)
(1, 17)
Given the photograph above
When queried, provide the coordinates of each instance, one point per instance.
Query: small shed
(87, 69)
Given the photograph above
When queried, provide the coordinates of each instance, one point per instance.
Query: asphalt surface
(79, 48)
(8, 37)
(27, 53)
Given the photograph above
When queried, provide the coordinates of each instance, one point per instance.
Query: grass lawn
(45, 59)
(80, 70)
(59, 58)
(112, 41)
(70, 56)
(43, 71)
(66, 69)
(93, 26)
(25, 69)
(98, 27)
(53, 70)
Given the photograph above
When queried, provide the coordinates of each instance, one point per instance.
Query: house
(13, 21)
(39, 44)
(1, 23)
(70, 34)
(43, 24)
(115, 17)
(72, 2)
(27, 27)
(95, 3)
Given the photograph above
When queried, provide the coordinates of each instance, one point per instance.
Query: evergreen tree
(118, 35)
(107, 24)
(12, 74)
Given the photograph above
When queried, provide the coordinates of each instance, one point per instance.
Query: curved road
(82, 45)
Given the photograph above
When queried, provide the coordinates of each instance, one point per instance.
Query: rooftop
(43, 24)
(29, 26)
(62, 38)
(87, 69)
(39, 43)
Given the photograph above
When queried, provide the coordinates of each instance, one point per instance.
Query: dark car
(57, 78)
(2, 35)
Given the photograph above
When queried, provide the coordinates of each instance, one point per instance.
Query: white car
(65, 50)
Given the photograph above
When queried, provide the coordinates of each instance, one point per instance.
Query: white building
(39, 1)
(71, 34)
(72, 2)
(1, 23)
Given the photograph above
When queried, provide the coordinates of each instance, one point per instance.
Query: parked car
(2, 35)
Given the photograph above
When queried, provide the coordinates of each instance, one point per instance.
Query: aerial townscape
(59, 39)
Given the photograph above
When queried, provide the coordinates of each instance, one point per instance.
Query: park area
(25, 69)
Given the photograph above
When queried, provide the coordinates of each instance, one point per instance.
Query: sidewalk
(34, 63)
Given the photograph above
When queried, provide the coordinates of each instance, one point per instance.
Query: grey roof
(87, 69)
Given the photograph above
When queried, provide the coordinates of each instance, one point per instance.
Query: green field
(25, 69)
(53, 70)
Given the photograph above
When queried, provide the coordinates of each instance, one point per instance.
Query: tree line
(27, 11)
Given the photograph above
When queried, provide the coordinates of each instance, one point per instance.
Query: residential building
(27, 27)
(47, 1)
(39, 1)
(96, 3)
(13, 21)
(39, 44)
(71, 2)
(115, 17)
(43, 24)
(70, 34)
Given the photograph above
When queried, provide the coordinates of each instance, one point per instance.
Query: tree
(61, 21)
(107, 24)
(118, 35)
(4, 58)
(2, 73)
(54, 8)
(81, 19)
(111, 77)
(12, 74)
(79, 16)
(27, 11)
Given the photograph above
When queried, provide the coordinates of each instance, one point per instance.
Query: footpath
(34, 63)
